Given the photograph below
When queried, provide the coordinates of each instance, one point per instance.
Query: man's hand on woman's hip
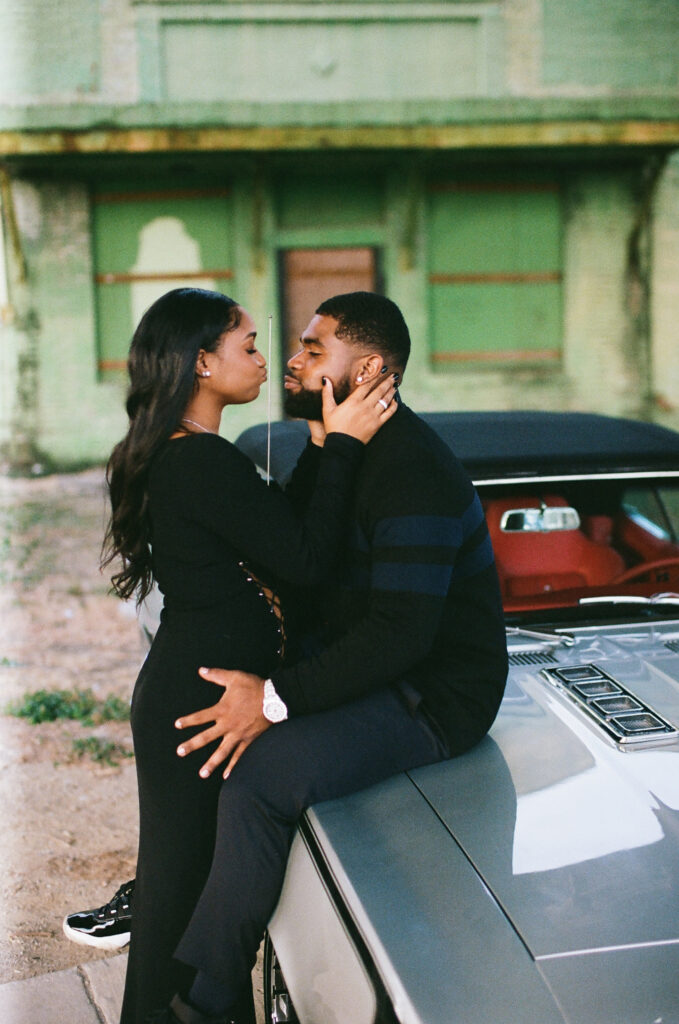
(236, 719)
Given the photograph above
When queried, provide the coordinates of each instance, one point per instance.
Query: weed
(81, 705)
(113, 709)
(101, 751)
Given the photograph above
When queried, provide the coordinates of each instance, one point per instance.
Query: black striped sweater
(415, 599)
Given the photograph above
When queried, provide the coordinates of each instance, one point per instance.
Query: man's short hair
(371, 321)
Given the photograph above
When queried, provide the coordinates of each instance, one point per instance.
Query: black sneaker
(108, 927)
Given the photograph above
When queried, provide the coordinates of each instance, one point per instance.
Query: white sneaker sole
(83, 939)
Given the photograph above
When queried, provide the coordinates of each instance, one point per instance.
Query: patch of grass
(113, 709)
(81, 705)
(101, 751)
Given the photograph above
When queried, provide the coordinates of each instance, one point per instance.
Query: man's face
(322, 354)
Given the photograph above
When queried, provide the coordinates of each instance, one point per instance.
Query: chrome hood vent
(532, 658)
(622, 715)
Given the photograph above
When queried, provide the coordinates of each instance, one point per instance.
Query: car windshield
(559, 542)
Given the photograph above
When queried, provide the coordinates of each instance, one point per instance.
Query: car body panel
(592, 822)
(309, 932)
(625, 986)
(527, 857)
(422, 911)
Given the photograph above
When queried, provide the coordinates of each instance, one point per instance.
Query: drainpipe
(18, 345)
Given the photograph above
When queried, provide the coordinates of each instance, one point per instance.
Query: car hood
(533, 880)
(577, 839)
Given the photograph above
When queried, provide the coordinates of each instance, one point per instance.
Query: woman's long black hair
(162, 370)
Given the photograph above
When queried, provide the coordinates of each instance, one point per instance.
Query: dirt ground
(69, 823)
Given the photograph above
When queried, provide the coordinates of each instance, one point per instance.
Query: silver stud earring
(206, 374)
(359, 380)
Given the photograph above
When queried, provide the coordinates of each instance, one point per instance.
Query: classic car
(535, 879)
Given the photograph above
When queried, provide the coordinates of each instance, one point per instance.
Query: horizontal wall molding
(165, 275)
(313, 11)
(159, 195)
(493, 186)
(513, 355)
(257, 138)
(542, 277)
(111, 364)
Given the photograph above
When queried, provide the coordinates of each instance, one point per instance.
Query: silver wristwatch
(273, 708)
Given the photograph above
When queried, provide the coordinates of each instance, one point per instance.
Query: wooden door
(308, 276)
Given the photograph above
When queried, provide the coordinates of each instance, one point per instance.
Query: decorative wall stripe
(164, 275)
(522, 355)
(159, 195)
(546, 277)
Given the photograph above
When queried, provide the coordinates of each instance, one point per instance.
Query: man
(412, 669)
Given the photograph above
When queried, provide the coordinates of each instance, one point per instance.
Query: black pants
(289, 767)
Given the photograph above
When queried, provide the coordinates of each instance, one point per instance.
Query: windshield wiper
(666, 598)
(548, 638)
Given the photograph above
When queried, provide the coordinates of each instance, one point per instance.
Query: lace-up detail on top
(273, 600)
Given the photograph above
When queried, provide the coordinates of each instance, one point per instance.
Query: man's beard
(306, 404)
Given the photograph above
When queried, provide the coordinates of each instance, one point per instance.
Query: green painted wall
(176, 74)
(602, 361)
(495, 269)
(288, 61)
(664, 312)
(49, 48)
(603, 366)
(617, 44)
(78, 416)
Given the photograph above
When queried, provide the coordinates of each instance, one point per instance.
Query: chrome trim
(556, 638)
(590, 688)
(663, 474)
(607, 949)
(668, 597)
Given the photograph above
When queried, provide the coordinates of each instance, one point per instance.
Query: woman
(190, 510)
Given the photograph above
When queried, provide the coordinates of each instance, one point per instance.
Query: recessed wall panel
(327, 62)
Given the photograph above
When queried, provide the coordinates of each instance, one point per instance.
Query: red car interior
(536, 563)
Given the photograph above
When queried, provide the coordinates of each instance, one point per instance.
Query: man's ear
(368, 368)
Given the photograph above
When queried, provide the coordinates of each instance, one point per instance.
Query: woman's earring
(359, 380)
(206, 374)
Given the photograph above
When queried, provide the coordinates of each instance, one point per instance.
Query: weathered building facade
(504, 169)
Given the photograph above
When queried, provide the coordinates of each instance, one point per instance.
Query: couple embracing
(378, 549)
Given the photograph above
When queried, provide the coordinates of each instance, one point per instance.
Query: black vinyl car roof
(554, 442)
(505, 444)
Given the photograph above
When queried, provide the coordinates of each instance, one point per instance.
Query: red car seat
(535, 562)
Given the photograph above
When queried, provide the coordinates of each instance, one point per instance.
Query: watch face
(274, 710)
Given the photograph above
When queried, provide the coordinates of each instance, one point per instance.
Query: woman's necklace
(185, 419)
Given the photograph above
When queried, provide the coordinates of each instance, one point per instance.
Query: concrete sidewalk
(89, 994)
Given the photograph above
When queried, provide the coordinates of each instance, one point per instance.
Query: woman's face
(237, 368)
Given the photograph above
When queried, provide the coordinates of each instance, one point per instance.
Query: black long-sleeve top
(416, 598)
(210, 511)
